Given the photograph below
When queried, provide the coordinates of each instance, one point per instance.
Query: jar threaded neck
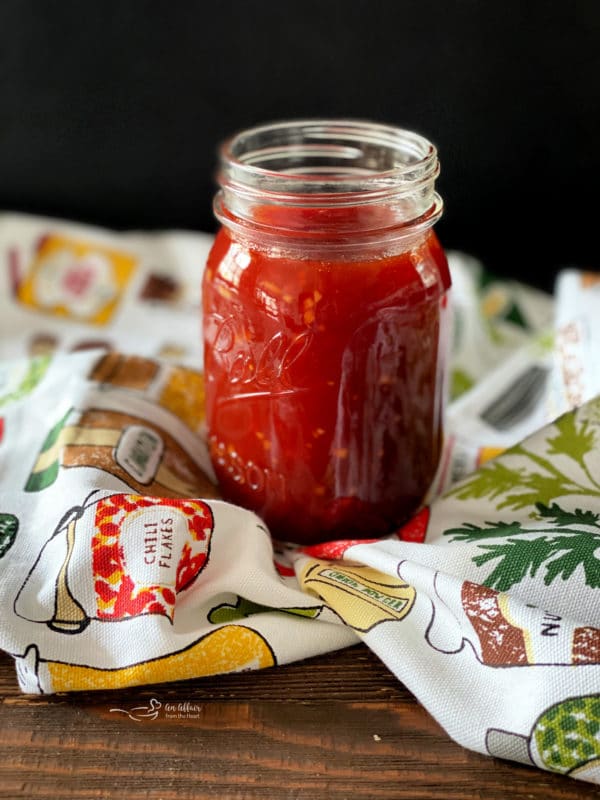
(368, 178)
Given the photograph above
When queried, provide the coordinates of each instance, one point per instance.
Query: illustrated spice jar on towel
(102, 572)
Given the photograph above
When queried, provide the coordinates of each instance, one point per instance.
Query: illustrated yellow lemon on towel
(231, 648)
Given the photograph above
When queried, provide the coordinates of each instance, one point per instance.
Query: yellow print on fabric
(231, 648)
(361, 596)
(76, 279)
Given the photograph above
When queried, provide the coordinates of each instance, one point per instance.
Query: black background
(112, 111)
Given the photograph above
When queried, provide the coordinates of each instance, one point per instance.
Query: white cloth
(120, 566)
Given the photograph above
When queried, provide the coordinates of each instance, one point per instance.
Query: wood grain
(338, 726)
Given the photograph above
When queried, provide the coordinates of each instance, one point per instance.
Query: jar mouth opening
(343, 161)
(293, 234)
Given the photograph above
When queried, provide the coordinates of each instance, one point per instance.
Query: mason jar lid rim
(360, 131)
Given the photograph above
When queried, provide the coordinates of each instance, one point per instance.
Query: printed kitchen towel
(121, 566)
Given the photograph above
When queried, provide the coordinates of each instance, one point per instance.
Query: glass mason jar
(325, 310)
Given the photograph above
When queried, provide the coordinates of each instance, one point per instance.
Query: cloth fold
(121, 566)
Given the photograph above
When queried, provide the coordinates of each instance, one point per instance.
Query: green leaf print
(473, 533)
(561, 517)
(9, 525)
(40, 479)
(538, 479)
(535, 477)
(517, 559)
(36, 369)
(241, 608)
(229, 612)
(572, 440)
(460, 382)
(492, 481)
(558, 552)
(536, 487)
(577, 550)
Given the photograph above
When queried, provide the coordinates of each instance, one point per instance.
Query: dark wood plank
(338, 726)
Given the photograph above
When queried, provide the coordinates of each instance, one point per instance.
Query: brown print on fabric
(501, 642)
(586, 646)
(176, 474)
(504, 643)
(161, 287)
(129, 372)
(41, 344)
(90, 344)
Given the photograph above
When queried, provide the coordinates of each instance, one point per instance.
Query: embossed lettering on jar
(325, 306)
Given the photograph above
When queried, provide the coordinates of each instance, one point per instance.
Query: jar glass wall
(325, 306)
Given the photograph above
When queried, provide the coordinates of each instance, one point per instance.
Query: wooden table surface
(338, 726)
